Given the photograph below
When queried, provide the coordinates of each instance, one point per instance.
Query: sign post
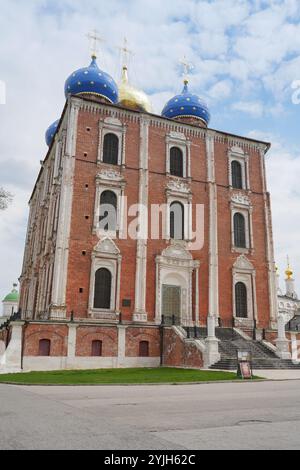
(244, 361)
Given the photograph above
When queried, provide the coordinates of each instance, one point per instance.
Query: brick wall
(135, 335)
(57, 334)
(180, 352)
(87, 334)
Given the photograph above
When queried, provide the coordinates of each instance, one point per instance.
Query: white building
(288, 301)
(9, 304)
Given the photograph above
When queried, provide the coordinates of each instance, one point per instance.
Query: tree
(5, 198)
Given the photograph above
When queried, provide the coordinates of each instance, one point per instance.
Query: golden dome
(289, 272)
(132, 98)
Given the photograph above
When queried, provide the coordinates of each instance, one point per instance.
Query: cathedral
(147, 234)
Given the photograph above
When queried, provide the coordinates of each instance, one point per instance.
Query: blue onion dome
(92, 81)
(50, 132)
(187, 105)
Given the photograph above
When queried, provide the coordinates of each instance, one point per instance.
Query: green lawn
(117, 376)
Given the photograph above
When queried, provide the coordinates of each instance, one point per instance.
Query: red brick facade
(46, 291)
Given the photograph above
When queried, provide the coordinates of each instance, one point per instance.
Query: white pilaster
(141, 251)
(213, 229)
(197, 313)
(72, 340)
(58, 300)
(269, 245)
(121, 345)
(282, 344)
(212, 349)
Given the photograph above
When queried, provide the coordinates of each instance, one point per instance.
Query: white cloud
(220, 90)
(254, 109)
(283, 170)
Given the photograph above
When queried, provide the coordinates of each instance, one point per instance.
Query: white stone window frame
(111, 261)
(110, 181)
(112, 126)
(186, 200)
(245, 278)
(175, 266)
(179, 140)
(237, 154)
(246, 210)
(243, 271)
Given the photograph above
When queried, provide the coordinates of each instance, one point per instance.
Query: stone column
(72, 334)
(121, 345)
(269, 245)
(213, 230)
(282, 344)
(212, 350)
(58, 297)
(197, 313)
(140, 313)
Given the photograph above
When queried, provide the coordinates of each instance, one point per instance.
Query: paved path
(278, 374)
(263, 415)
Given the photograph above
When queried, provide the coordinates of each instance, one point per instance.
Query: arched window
(144, 349)
(177, 221)
(108, 211)
(96, 348)
(111, 149)
(241, 309)
(236, 175)
(239, 230)
(176, 161)
(102, 293)
(44, 347)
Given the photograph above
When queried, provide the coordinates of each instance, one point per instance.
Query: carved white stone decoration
(236, 149)
(177, 251)
(107, 245)
(242, 263)
(178, 186)
(113, 120)
(109, 174)
(177, 135)
(240, 198)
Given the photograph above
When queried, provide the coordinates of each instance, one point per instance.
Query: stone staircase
(230, 341)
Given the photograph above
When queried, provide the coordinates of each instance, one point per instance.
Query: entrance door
(171, 302)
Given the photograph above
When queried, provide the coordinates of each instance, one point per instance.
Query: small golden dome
(289, 272)
(132, 98)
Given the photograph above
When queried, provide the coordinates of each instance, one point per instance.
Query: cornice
(169, 125)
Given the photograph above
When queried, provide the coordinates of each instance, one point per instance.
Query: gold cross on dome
(187, 67)
(125, 52)
(94, 39)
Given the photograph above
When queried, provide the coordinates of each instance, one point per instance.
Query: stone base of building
(71, 346)
(283, 349)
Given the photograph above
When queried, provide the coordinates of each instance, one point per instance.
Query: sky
(246, 59)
